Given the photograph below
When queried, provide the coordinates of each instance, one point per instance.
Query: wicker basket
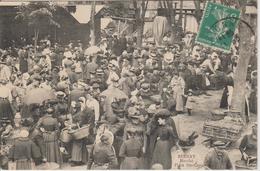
(80, 133)
(218, 114)
(220, 133)
(65, 136)
(241, 165)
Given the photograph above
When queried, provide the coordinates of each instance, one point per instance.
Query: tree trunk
(140, 29)
(92, 28)
(245, 51)
(181, 13)
(36, 35)
(198, 12)
(140, 15)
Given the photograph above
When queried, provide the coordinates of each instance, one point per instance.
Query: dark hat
(229, 71)
(133, 69)
(186, 144)
(163, 113)
(102, 121)
(95, 85)
(131, 130)
(2, 62)
(48, 77)
(73, 67)
(37, 77)
(5, 120)
(19, 73)
(56, 69)
(139, 77)
(99, 71)
(145, 86)
(50, 101)
(104, 137)
(77, 105)
(132, 112)
(3, 81)
(92, 72)
(219, 144)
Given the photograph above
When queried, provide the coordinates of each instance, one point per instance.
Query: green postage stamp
(217, 26)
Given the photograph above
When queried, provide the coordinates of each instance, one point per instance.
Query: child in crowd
(189, 102)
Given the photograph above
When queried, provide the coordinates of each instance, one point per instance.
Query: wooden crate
(219, 133)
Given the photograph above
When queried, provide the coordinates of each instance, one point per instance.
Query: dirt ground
(200, 113)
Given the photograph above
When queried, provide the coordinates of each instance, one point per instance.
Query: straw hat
(134, 93)
(114, 78)
(169, 57)
(152, 109)
(60, 94)
(99, 72)
(133, 112)
(114, 62)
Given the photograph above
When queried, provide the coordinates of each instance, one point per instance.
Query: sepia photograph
(128, 85)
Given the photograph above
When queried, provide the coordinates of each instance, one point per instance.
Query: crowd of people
(125, 95)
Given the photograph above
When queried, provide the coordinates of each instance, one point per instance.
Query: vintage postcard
(128, 85)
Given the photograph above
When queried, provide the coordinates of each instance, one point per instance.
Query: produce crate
(218, 132)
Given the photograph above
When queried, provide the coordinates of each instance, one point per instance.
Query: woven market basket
(65, 136)
(241, 165)
(80, 133)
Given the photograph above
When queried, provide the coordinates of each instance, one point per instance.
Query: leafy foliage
(37, 14)
(116, 9)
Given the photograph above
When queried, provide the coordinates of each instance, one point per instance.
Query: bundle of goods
(250, 164)
(227, 129)
(218, 114)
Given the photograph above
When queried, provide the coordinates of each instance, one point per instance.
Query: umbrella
(111, 94)
(114, 93)
(92, 50)
(38, 95)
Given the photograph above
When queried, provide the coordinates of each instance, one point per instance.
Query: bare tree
(140, 10)
(246, 48)
(92, 28)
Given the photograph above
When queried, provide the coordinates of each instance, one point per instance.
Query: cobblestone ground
(201, 112)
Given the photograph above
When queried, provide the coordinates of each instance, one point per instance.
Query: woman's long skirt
(224, 99)
(79, 151)
(162, 154)
(130, 163)
(52, 150)
(23, 165)
(179, 102)
(253, 102)
(5, 109)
